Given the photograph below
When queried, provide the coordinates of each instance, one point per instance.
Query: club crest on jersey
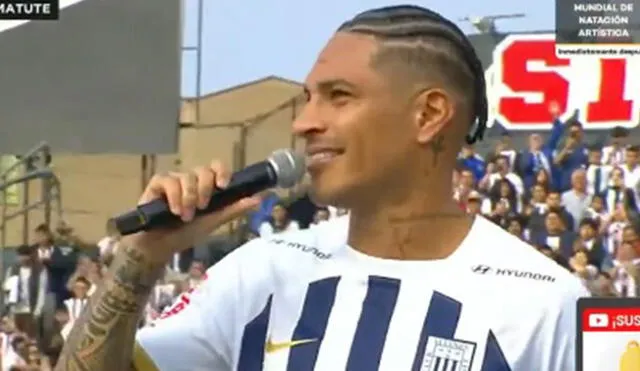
(448, 354)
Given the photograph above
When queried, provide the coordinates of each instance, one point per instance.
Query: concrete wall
(92, 81)
(95, 187)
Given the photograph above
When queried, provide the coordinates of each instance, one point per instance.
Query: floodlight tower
(487, 24)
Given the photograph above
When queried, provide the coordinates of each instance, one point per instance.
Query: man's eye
(339, 94)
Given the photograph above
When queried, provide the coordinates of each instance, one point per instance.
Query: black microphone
(283, 168)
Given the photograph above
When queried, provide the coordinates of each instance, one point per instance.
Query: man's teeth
(320, 156)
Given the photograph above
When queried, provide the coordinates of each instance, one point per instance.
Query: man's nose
(309, 121)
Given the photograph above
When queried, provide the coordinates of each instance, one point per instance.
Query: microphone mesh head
(289, 167)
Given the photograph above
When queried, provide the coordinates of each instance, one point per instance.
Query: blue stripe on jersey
(377, 309)
(312, 323)
(441, 321)
(254, 338)
(494, 359)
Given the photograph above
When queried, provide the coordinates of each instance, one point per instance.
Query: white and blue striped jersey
(306, 301)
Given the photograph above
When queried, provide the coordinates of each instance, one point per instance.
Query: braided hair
(428, 43)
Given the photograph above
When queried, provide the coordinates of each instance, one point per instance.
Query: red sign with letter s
(526, 76)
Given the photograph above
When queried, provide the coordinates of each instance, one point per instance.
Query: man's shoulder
(288, 253)
(521, 268)
(516, 281)
(244, 280)
(317, 242)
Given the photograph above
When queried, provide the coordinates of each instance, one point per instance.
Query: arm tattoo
(103, 337)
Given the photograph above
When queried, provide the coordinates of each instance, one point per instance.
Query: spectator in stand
(89, 270)
(577, 200)
(543, 178)
(630, 235)
(76, 304)
(7, 330)
(597, 173)
(501, 213)
(302, 211)
(59, 261)
(504, 147)
(555, 234)
(581, 266)
(17, 354)
(631, 168)
(27, 290)
(614, 153)
(618, 193)
(162, 297)
(572, 155)
(552, 203)
(535, 159)
(625, 271)
(464, 185)
(35, 360)
(538, 199)
(66, 238)
(597, 212)
(615, 229)
(490, 180)
(322, 214)
(469, 159)
(503, 191)
(592, 244)
(53, 346)
(603, 286)
(516, 227)
(196, 274)
(278, 223)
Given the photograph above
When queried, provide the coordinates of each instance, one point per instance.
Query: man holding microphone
(406, 282)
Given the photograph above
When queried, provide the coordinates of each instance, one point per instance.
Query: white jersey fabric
(306, 301)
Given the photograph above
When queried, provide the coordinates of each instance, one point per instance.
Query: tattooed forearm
(103, 337)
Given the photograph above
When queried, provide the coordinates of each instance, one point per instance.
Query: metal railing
(33, 165)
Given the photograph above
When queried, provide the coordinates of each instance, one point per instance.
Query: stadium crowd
(574, 202)
(49, 286)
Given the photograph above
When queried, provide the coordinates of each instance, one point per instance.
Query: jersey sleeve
(198, 331)
(560, 354)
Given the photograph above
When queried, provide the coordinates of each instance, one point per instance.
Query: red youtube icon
(598, 320)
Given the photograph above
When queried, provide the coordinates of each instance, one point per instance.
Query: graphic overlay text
(596, 27)
(29, 10)
(608, 334)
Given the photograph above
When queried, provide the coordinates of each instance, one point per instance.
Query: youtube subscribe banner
(611, 320)
(608, 334)
(29, 10)
(596, 27)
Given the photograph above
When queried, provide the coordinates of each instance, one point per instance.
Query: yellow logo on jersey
(271, 347)
(630, 360)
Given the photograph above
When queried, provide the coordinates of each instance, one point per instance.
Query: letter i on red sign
(608, 334)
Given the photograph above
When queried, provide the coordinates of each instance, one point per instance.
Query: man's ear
(434, 109)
